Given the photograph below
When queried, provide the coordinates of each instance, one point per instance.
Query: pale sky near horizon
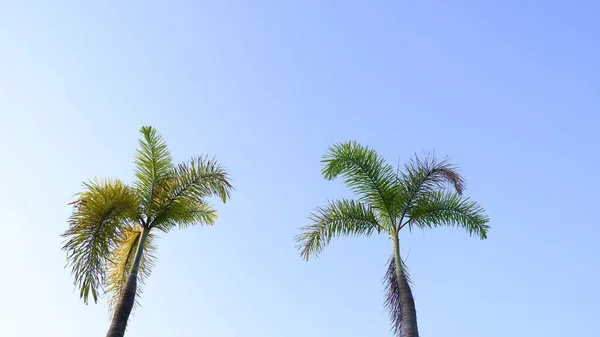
(509, 90)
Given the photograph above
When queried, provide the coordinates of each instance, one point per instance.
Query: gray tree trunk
(124, 307)
(408, 324)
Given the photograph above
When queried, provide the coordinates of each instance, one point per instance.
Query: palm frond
(153, 166)
(365, 173)
(185, 214)
(443, 208)
(392, 294)
(427, 174)
(339, 218)
(121, 260)
(98, 216)
(185, 190)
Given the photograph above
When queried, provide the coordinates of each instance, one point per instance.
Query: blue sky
(509, 91)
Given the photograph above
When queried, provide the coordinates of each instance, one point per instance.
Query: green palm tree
(427, 193)
(110, 241)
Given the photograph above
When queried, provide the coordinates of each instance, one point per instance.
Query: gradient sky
(509, 90)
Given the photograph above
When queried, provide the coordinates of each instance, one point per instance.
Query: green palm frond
(200, 178)
(95, 223)
(121, 260)
(339, 218)
(153, 165)
(392, 293)
(189, 184)
(185, 214)
(424, 175)
(365, 173)
(443, 208)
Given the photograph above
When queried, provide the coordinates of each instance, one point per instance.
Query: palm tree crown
(427, 193)
(111, 219)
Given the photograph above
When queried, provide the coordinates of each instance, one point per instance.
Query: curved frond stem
(339, 218)
(94, 226)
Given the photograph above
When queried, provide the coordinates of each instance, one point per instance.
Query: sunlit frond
(392, 293)
(153, 166)
(427, 174)
(339, 218)
(443, 208)
(98, 216)
(121, 260)
(365, 173)
(183, 194)
(184, 214)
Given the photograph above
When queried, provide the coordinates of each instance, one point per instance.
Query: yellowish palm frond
(121, 260)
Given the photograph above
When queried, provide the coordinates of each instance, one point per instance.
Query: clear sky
(508, 89)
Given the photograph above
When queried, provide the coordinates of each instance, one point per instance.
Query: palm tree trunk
(408, 325)
(125, 304)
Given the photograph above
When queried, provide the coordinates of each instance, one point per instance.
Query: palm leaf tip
(303, 243)
(338, 218)
(443, 208)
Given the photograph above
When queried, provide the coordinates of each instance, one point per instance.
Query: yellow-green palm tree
(110, 240)
(427, 193)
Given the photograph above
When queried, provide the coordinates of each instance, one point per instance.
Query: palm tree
(110, 241)
(427, 193)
